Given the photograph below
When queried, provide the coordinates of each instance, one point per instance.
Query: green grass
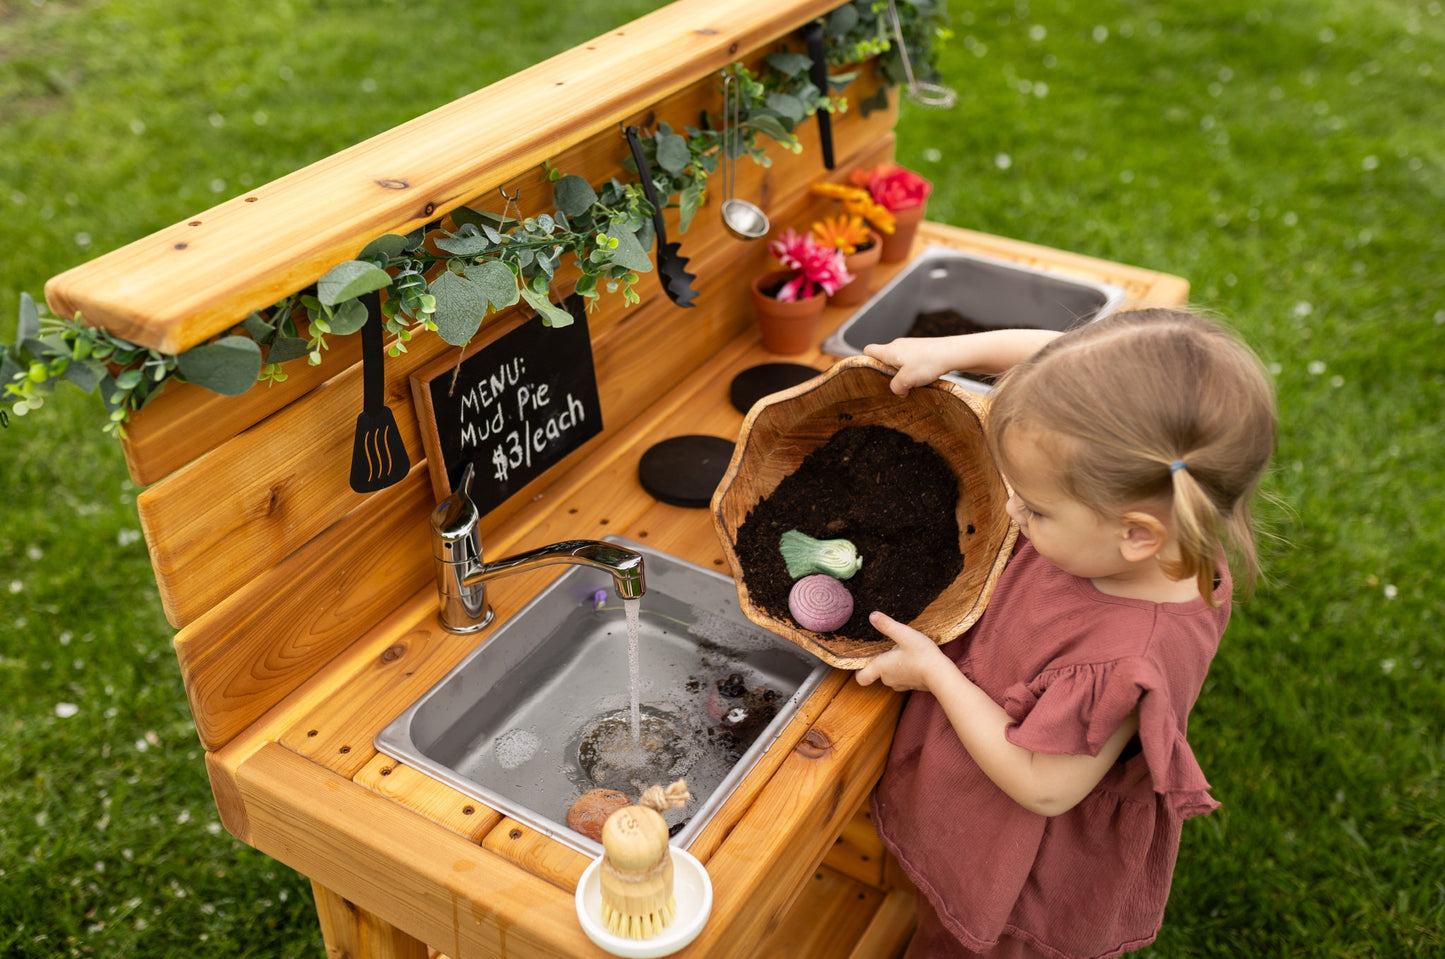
(1286, 157)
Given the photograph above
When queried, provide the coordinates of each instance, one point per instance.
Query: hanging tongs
(671, 264)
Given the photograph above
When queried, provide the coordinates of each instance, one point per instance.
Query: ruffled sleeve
(1074, 709)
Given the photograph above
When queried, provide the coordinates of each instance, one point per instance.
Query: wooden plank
(539, 855)
(185, 421)
(348, 930)
(427, 797)
(858, 852)
(453, 895)
(183, 284)
(242, 657)
(893, 923)
(832, 912)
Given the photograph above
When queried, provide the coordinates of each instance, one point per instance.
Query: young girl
(1040, 774)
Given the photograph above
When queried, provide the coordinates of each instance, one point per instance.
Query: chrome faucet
(462, 576)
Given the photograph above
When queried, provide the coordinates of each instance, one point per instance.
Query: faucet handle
(456, 517)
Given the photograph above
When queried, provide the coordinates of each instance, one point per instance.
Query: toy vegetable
(803, 554)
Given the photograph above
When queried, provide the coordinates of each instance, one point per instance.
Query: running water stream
(631, 609)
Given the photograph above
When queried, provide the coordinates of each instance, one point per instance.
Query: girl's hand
(919, 361)
(910, 664)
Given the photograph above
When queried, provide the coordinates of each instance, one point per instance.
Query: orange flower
(845, 232)
(856, 201)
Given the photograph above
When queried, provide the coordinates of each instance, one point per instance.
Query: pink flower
(816, 266)
(893, 187)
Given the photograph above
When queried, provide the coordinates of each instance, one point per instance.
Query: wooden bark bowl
(782, 429)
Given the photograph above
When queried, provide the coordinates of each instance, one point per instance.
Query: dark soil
(944, 323)
(893, 497)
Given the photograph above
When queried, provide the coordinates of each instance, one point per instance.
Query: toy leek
(803, 554)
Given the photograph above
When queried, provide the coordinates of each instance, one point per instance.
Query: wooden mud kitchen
(307, 612)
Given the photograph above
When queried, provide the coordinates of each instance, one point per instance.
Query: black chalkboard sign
(514, 407)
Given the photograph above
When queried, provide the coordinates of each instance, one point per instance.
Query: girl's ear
(1142, 535)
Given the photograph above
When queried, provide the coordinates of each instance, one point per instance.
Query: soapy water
(607, 756)
(514, 747)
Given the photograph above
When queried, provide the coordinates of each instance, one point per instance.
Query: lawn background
(1288, 158)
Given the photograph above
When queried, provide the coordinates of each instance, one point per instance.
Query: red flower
(816, 266)
(893, 187)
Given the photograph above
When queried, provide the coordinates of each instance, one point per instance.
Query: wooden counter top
(417, 862)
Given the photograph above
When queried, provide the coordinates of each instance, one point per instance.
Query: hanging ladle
(743, 219)
(920, 92)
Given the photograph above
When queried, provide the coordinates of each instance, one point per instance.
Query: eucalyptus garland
(447, 281)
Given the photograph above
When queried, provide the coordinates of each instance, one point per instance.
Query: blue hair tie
(1176, 466)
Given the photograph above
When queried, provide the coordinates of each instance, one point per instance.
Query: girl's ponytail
(1200, 528)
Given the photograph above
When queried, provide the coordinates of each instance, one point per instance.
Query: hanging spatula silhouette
(671, 264)
(378, 458)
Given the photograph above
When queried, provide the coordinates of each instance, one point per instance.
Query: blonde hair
(1153, 404)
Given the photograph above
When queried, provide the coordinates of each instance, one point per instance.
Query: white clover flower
(1316, 367)
(66, 710)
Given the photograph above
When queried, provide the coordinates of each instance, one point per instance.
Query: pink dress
(1068, 664)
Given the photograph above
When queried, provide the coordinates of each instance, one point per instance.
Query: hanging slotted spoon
(671, 264)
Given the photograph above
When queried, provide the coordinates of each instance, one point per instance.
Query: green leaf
(687, 203)
(768, 125)
(841, 20)
(29, 319)
(787, 106)
(228, 366)
(9, 369)
(129, 379)
(790, 64)
(672, 152)
(259, 328)
(347, 281)
(630, 252)
(552, 315)
(287, 348)
(468, 243)
(496, 282)
(460, 307)
(385, 247)
(349, 317)
(87, 376)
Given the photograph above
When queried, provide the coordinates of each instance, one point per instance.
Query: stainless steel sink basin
(539, 712)
(990, 293)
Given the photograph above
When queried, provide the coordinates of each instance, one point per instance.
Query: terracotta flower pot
(898, 244)
(860, 263)
(786, 327)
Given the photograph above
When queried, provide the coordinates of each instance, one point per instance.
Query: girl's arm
(921, 360)
(1044, 783)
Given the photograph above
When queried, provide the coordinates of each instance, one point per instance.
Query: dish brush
(636, 873)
